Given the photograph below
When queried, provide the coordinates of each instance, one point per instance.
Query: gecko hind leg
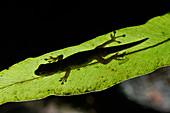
(113, 39)
(106, 61)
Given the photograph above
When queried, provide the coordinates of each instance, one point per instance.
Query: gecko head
(43, 71)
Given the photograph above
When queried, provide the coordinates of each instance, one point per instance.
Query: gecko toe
(63, 79)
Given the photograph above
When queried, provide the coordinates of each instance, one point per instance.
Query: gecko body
(82, 58)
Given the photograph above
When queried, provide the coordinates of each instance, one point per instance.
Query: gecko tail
(133, 43)
(123, 47)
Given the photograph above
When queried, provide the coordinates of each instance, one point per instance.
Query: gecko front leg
(54, 59)
(60, 57)
(64, 79)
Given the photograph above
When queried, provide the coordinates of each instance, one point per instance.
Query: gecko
(82, 58)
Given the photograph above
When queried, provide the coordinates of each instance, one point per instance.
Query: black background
(33, 29)
(49, 26)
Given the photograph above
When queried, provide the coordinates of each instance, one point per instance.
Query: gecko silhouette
(82, 58)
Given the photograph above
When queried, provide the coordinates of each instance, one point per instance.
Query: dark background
(48, 26)
(33, 29)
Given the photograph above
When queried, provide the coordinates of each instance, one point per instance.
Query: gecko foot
(54, 59)
(113, 37)
(63, 79)
(120, 56)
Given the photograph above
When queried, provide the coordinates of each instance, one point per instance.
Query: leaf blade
(19, 83)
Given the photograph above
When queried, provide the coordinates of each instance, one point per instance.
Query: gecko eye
(43, 72)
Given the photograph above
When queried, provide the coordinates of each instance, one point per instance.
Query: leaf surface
(19, 83)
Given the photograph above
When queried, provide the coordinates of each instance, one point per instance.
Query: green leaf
(19, 83)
